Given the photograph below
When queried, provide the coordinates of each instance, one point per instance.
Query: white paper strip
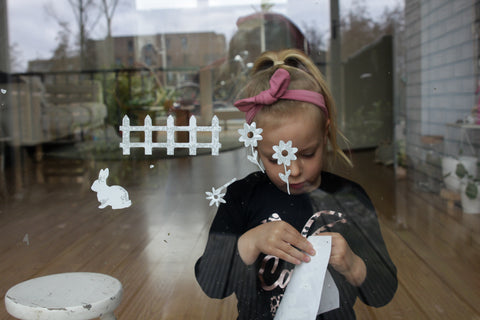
(301, 299)
(330, 296)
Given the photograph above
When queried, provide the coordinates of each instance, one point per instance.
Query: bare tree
(266, 6)
(15, 58)
(315, 39)
(360, 29)
(86, 15)
(62, 54)
(108, 8)
(393, 20)
(82, 9)
(357, 28)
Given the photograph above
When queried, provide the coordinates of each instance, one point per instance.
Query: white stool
(73, 296)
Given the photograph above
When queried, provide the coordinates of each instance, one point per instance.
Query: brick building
(441, 60)
(172, 50)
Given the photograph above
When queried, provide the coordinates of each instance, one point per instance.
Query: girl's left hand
(345, 261)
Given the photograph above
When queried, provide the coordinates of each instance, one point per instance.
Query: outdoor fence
(170, 129)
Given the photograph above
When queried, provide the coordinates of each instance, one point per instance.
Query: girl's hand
(276, 238)
(345, 261)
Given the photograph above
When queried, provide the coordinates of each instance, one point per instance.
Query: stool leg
(108, 316)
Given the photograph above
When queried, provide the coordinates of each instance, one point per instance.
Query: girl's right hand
(277, 238)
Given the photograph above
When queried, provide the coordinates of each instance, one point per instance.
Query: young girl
(259, 233)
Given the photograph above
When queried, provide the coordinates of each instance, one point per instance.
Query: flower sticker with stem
(285, 153)
(250, 135)
(216, 196)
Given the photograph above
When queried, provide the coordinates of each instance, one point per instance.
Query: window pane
(86, 88)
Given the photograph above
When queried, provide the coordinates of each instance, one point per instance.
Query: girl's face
(305, 131)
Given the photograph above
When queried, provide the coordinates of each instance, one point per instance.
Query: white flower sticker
(250, 136)
(285, 176)
(285, 153)
(216, 196)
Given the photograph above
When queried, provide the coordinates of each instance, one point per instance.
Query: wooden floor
(50, 223)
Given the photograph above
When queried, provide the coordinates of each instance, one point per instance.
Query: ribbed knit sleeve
(220, 271)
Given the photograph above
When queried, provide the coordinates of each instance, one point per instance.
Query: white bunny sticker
(114, 196)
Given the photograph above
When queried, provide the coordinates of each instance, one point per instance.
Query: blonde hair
(304, 75)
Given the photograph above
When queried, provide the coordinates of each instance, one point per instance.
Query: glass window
(184, 43)
(142, 88)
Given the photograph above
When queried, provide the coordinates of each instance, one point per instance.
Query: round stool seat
(75, 296)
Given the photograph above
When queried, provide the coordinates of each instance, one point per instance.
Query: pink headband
(278, 90)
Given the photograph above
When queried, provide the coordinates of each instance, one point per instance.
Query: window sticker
(216, 196)
(250, 135)
(117, 197)
(284, 153)
(114, 196)
(170, 129)
(3, 91)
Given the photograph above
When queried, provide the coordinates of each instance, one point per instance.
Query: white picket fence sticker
(170, 129)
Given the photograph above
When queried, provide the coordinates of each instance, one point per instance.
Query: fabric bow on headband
(278, 90)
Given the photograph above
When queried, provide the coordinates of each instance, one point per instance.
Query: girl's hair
(304, 75)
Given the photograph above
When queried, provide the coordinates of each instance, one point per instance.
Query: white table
(73, 296)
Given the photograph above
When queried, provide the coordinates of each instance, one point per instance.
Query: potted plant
(470, 196)
(451, 169)
(468, 190)
(140, 93)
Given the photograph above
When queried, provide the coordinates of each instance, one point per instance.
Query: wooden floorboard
(431, 247)
(152, 246)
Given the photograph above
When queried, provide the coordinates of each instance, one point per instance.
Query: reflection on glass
(405, 80)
